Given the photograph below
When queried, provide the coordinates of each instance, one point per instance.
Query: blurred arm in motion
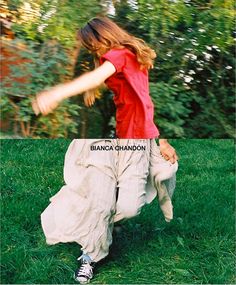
(46, 101)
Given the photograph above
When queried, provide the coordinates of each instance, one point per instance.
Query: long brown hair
(101, 34)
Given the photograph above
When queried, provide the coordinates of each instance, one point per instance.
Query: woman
(105, 182)
(85, 209)
(124, 63)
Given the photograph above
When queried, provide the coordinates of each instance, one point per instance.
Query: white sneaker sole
(81, 281)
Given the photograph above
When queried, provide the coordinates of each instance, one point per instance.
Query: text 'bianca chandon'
(117, 147)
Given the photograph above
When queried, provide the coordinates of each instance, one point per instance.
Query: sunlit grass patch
(196, 247)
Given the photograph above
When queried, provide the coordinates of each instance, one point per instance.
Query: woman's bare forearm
(77, 86)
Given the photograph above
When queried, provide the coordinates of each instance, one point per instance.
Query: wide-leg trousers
(104, 183)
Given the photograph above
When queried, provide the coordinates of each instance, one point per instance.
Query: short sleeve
(116, 57)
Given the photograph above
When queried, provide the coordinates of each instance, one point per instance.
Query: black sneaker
(85, 272)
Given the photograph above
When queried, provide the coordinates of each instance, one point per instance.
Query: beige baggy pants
(85, 209)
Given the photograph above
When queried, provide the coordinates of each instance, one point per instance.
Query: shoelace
(86, 270)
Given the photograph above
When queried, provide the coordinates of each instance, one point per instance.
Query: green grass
(196, 247)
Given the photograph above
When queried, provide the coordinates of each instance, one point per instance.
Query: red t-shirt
(134, 107)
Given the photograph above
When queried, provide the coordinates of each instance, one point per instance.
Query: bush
(44, 65)
(171, 108)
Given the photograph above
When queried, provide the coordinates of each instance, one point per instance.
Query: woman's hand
(167, 151)
(89, 98)
(46, 101)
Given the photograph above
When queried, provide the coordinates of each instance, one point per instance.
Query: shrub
(45, 65)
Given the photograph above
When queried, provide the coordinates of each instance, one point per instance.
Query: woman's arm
(47, 101)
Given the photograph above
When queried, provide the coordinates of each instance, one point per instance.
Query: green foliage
(171, 108)
(57, 20)
(43, 66)
(194, 43)
(48, 30)
(194, 69)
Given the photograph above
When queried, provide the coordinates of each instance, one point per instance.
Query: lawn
(198, 246)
